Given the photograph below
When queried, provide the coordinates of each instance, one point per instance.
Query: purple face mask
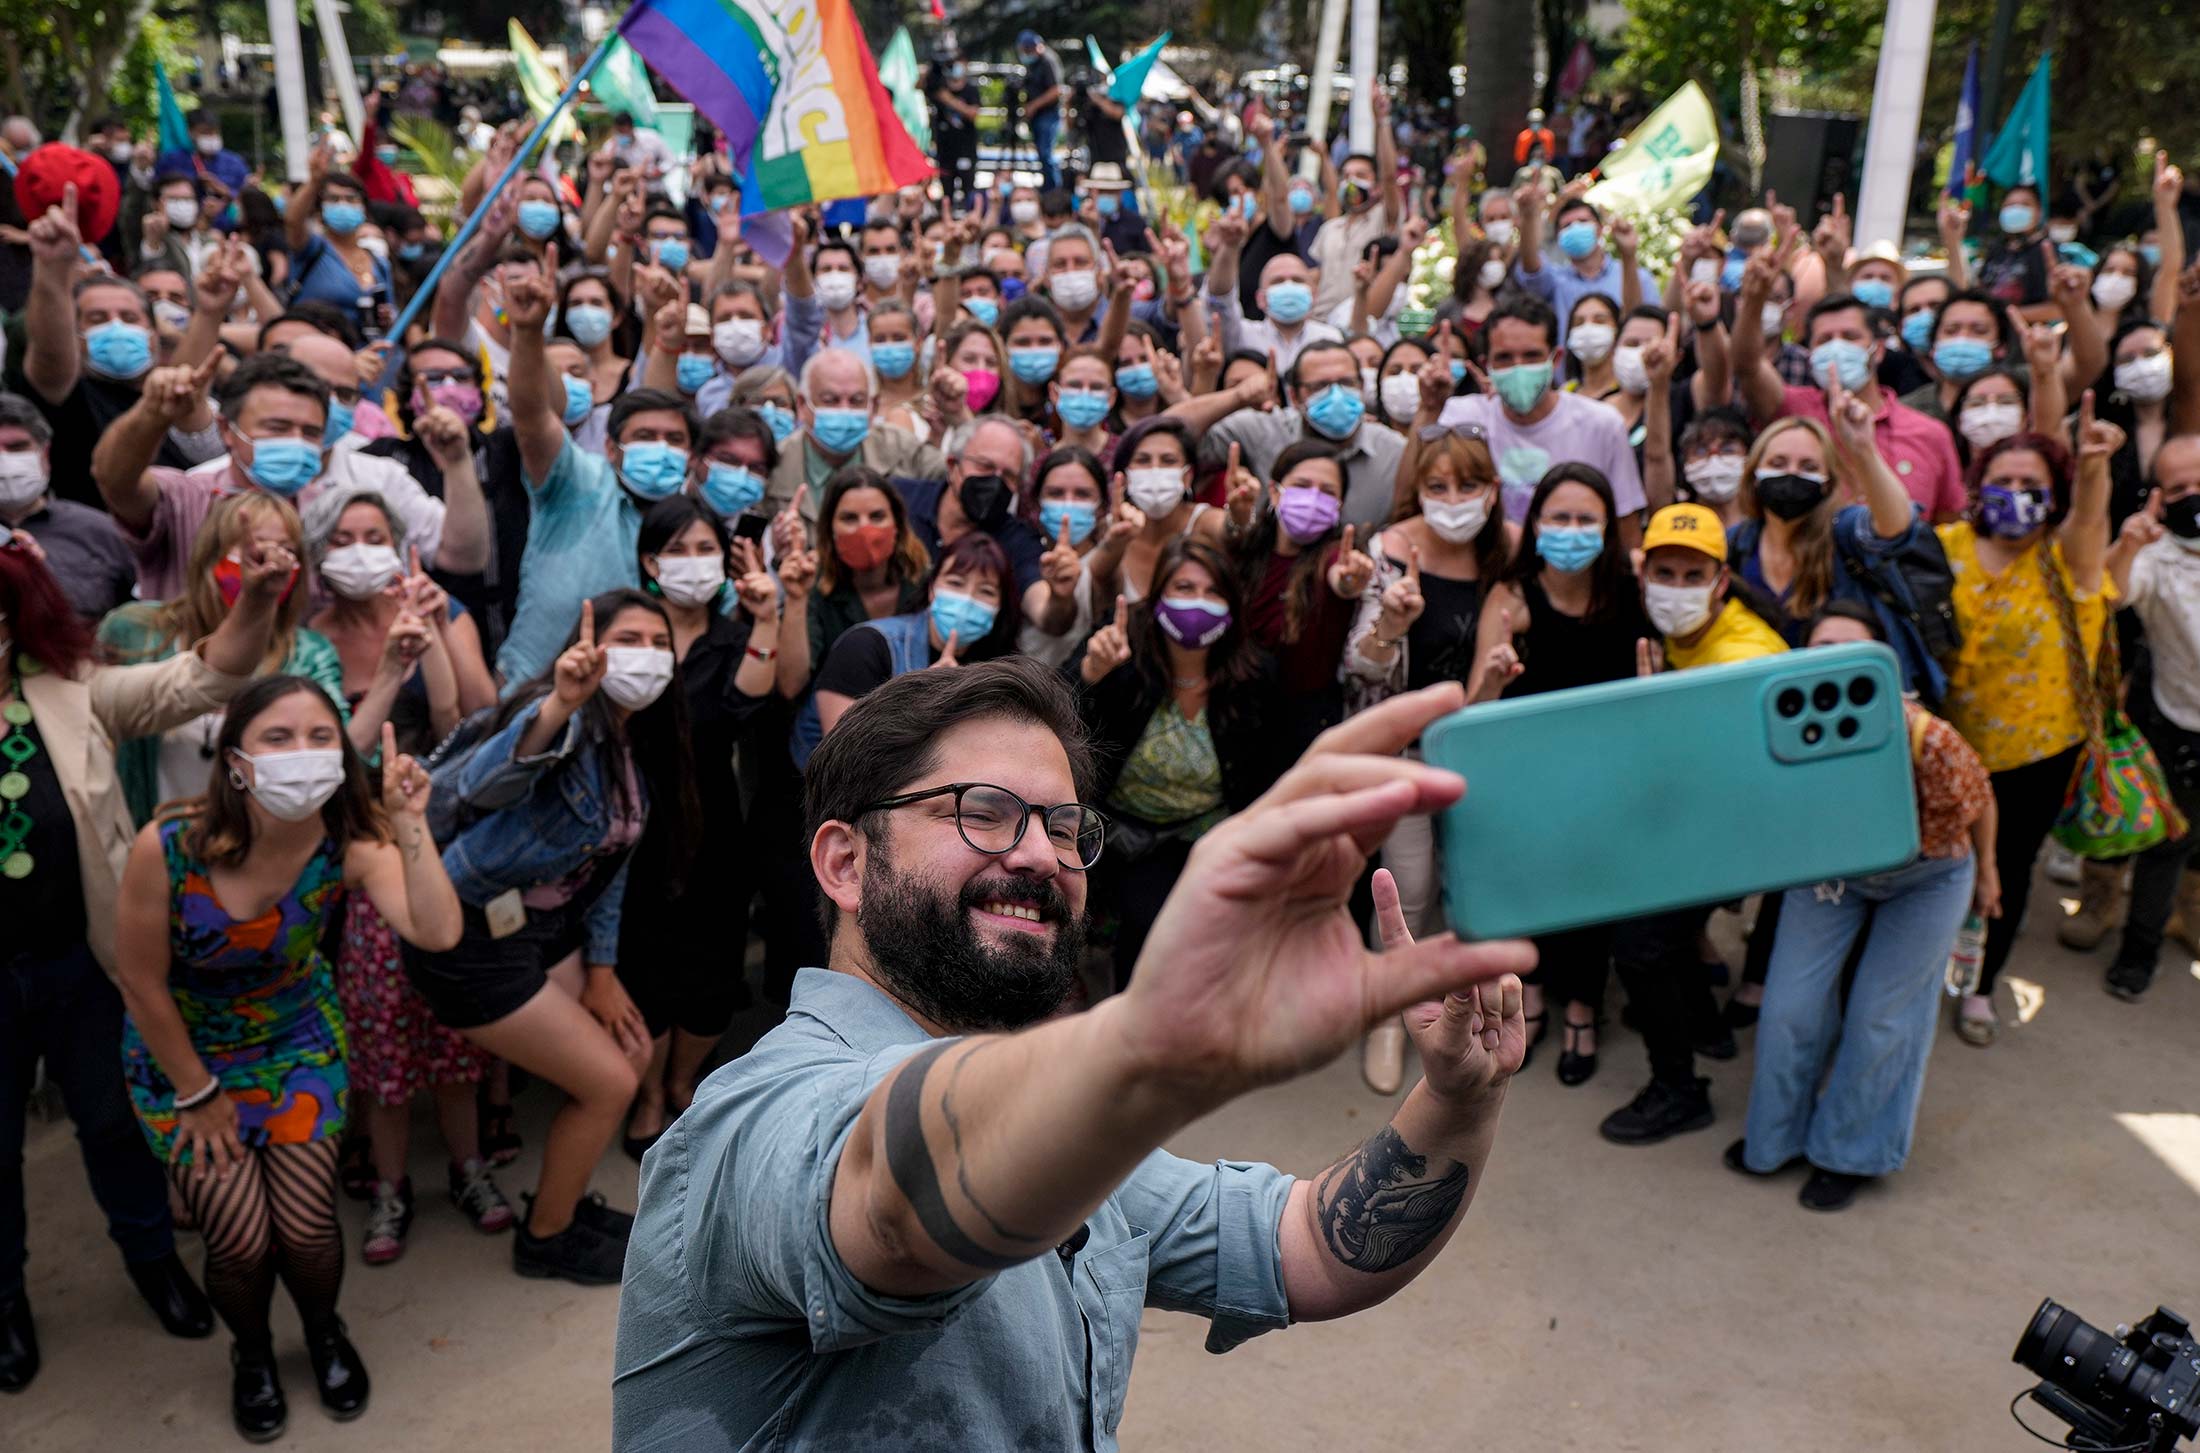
(1193, 624)
(2012, 514)
(1307, 514)
(462, 399)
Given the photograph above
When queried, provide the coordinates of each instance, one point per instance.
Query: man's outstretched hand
(1470, 1042)
(1255, 972)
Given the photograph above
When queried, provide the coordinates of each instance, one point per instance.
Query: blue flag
(1967, 147)
(2019, 155)
(1130, 77)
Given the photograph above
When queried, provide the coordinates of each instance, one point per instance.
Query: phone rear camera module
(1862, 690)
(1789, 703)
(1813, 734)
(1846, 727)
(1825, 696)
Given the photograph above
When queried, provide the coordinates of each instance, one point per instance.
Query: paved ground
(1598, 1298)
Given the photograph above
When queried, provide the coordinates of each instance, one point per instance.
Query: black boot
(337, 1370)
(256, 1394)
(18, 1343)
(1660, 1111)
(173, 1296)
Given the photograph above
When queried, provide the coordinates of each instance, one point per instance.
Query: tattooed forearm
(909, 1158)
(962, 1166)
(1383, 1205)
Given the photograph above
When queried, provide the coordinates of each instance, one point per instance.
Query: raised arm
(299, 212)
(404, 877)
(1205, 411)
(1858, 444)
(1659, 359)
(52, 354)
(2085, 532)
(1760, 382)
(125, 452)
(537, 423)
(453, 310)
(2169, 232)
(1627, 245)
(2088, 352)
(239, 645)
(1713, 382)
(1953, 220)
(1386, 154)
(1275, 179)
(2050, 396)
(1391, 276)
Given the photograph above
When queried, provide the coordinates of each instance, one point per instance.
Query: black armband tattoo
(1381, 1206)
(909, 1159)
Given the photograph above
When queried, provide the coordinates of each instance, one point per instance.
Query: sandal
(1979, 1026)
(499, 1139)
(1575, 1068)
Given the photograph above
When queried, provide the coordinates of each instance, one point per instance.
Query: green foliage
(132, 94)
(1668, 43)
(436, 158)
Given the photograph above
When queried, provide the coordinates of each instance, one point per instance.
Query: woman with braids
(234, 1044)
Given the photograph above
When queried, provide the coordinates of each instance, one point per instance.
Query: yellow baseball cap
(1692, 527)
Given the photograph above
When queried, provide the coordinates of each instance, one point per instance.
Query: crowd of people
(381, 713)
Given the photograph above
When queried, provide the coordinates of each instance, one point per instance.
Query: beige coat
(80, 721)
(895, 453)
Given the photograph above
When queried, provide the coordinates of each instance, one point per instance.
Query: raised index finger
(1390, 914)
(2085, 415)
(588, 624)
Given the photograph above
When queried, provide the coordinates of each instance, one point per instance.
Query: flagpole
(465, 233)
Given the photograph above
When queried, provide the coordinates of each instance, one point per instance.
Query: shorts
(484, 979)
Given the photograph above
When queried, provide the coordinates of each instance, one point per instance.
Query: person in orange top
(1532, 136)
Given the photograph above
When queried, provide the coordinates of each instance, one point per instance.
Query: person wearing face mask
(955, 102)
(834, 408)
(208, 155)
(884, 254)
(1712, 455)
(61, 712)
(2030, 598)
(160, 227)
(743, 331)
(838, 278)
(1991, 407)
(1579, 236)
(1475, 279)
(1303, 577)
(538, 808)
(1688, 594)
(1286, 298)
(988, 465)
(901, 384)
(1592, 331)
(2016, 267)
(1068, 506)
(1972, 333)
(1373, 206)
(329, 264)
(588, 317)
(233, 1049)
(1148, 376)
(88, 554)
(2142, 373)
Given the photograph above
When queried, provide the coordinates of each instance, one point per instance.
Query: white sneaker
(2062, 865)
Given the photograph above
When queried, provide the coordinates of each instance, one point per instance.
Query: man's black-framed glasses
(992, 820)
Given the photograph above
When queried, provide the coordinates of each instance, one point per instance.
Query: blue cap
(1027, 39)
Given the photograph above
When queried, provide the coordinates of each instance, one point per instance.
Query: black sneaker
(1713, 1037)
(602, 1215)
(1659, 1112)
(580, 1253)
(1829, 1190)
(2128, 981)
(1736, 1162)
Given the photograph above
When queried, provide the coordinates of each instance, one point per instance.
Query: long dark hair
(981, 552)
(1612, 577)
(222, 835)
(1067, 454)
(2052, 452)
(626, 329)
(1470, 456)
(41, 623)
(656, 736)
(666, 521)
(1260, 542)
(910, 560)
(1231, 661)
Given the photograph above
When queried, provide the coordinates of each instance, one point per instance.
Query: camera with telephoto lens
(2134, 1390)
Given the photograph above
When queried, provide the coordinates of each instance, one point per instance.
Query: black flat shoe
(1740, 1015)
(637, 1146)
(18, 1344)
(173, 1296)
(1829, 1190)
(256, 1402)
(337, 1371)
(1575, 1068)
(1735, 1163)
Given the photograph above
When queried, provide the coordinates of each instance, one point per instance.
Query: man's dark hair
(1578, 204)
(1523, 307)
(1320, 345)
(647, 400)
(21, 413)
(737, 421)
(270, 370)
(1056, 202)
(667, 211)
(1837, 303)
(321, 318)
(882, 224)
(840, 245)
(2005, 329)
(888, 742)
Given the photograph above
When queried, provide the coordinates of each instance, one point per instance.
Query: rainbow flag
(792, 86)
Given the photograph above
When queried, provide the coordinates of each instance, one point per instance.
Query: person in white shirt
(1286, 295)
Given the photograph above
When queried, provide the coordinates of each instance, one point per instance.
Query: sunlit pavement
(1598, 1298)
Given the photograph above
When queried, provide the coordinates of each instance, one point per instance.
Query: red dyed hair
(2052, 451)
(40, 620)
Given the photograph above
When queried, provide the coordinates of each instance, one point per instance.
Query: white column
(1363, 75)
(1326, 41)
(290, 84)
(337, 49)
(1898, 102)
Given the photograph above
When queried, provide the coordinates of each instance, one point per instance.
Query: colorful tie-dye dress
(260, 1001)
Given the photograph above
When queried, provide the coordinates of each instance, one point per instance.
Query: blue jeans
(1863, 1121)
(1045, 127)
(63, 1010)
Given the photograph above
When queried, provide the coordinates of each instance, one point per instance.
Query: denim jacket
(507, 821)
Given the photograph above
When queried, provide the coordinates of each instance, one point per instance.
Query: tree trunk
(102, 51)
(1500, 78)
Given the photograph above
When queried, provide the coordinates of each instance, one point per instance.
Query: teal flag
(2019, 154)
(175, 134)
(1099, 60)
(622, 83)
(1130, 77)
(897, 72)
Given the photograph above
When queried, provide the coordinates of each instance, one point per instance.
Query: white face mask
(1774, 319)
(883, 271)
(1024, 211)
(1455, 521)
(1985, 424)
(1075, 290)
(2059, 232)
(2145, 379)
(181, 213)
(1627, 368)
(23, 478)
(2111, 290)
(1704, 270)
(836, 290)
(209, 145)
(635, 676)
(1591, 342)
(1155, 491)
(1492, 275)
(1717, 478)
(292, 786)
(690, 579)
(358, 572)
(1370, 387)
(1401, 396)
(1499, 231)
(739, 341)
(1676, 610)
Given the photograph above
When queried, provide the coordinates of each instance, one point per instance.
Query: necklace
(17, 748)
(1186, 683)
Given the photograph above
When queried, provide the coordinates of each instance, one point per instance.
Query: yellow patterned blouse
(2009, 686)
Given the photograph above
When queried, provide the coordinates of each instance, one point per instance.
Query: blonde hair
(1812, 541)
(199, 609)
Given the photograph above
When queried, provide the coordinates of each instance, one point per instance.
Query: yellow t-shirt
(1737, 634)
(2009, 689)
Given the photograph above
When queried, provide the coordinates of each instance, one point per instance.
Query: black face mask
(2181, 517)
(928, 953)
(985, 499)
(1790, 496)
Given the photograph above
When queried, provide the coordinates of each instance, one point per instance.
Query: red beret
(46, 171)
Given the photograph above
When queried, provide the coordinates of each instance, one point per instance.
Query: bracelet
(1377, 638)
(768, 654)
(204, 1096)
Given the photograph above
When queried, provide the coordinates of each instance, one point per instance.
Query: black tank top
(1559, 651)
(1440, 645)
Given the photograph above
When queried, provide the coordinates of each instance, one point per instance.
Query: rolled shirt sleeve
(1216, 1242)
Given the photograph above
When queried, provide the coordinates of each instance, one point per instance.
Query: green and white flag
(1664, 161)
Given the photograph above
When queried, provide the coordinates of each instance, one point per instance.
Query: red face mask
(229, 580)
(866, 547)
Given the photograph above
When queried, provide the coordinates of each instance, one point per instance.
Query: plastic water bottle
(1966, 959)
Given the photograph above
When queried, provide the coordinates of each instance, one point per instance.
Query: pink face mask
(1142, 290)
(980, 387)
(462, 399)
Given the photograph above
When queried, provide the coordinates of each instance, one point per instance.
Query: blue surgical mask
(588, 324)
(652, 469)
(2151, 253)
(411, 251)
(1336, 411)
(1137, 381)
(119, 350)
(1033, 365)
(731, 488)
(985, 310)
(1289, 303)
(1458, 370)
(1917, 330)
(343, 218)
(1107, 204)
(1082, 519)
(781, 422)
(893, 360)
(1577, 239)
(1730, 274)
(340, 415)
(387, 155)
(1522, 386)
(580, 401)
(1838, 357)
(695, 370)
(1302, 201)
(1873, 293)
(1080, 409)
(2017, 219)
(538, 219)
(841, 431)
(284, 466)
(1962, 358)
(672, 253)
(1569, 548)
(960, 617)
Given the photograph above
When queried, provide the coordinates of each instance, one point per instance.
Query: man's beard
(926, 949)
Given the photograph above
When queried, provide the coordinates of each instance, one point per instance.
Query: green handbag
(2118, 802)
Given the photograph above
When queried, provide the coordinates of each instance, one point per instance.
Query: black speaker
(1810, 156)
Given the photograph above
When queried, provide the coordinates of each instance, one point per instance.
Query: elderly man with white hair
(834, 405)
(988, 471)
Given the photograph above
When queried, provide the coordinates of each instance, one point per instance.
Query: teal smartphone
(1635, 797)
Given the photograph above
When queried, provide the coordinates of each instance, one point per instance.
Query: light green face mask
(1522, 387)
